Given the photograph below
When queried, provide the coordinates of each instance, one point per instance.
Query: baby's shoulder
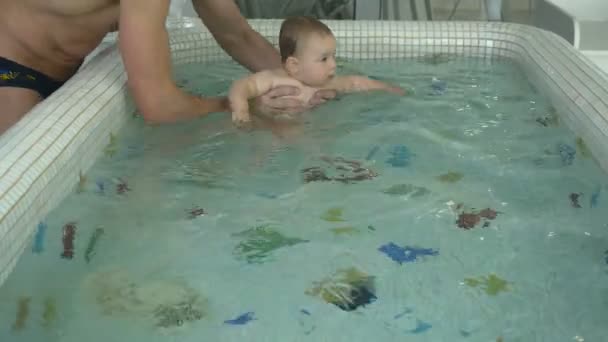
(271, 74)
(280, 78)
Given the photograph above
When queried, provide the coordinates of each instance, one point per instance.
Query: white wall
(588, 10)
(474, 5)
(182, 8)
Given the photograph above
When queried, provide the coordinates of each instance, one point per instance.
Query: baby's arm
(250, 87)
(349, 84)
(244, 89)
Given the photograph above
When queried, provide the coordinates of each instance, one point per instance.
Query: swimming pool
(45, 155)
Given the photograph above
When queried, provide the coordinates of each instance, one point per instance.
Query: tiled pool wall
(43, 156)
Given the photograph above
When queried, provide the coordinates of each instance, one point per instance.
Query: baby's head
(308, 50)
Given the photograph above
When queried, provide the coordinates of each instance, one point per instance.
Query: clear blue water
(373, 253)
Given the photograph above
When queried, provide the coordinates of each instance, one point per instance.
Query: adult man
(42, 44)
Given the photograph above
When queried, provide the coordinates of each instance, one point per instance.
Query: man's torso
(53, 36)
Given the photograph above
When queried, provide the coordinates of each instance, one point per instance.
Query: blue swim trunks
(13, 74)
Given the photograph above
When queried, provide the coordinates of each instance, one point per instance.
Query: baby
(308, 55)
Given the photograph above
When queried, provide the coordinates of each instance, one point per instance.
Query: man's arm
(232, 32)
(144, 44)
(240, 92)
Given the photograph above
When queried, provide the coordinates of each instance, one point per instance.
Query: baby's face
(317, 60)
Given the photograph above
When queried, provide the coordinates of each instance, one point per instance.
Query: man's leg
(14, 104)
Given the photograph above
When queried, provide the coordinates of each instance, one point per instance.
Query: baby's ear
(291, 65)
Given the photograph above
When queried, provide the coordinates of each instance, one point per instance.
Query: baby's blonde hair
(294, 29)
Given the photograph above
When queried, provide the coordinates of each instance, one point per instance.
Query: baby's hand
(395, 90)
(361, 83)
(390, 88)
(241, 119)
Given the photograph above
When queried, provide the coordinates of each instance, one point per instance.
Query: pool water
(465, 211)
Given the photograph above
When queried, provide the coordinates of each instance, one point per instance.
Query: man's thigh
(14, 104)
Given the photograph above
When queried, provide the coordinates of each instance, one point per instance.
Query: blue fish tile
(39, 238)
(400, 156)
(566, 153)
(438, 87)
(421, 327)
(405, 254)
(241, 319)
(595, 197)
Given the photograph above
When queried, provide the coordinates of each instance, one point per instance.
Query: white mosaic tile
(43, 153)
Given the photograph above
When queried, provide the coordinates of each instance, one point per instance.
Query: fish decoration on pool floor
(468, 220)
(168, 303)
(595, 196)
(112, 147)
(438, 87)
(492, 284)
(259, 242)
(333, 215)
(465, 333)
(69, 233)
(566, 153)
(241, 319)
(101, 186)
(338, 169)
(606, 256)
(406, 254)
(49, 312)
(574, 199)
(421, 326)
(82, 182)
(38, 246)
(23, 311)
(582, 148)
(551, 119)
(176, 314)
(450, 177)
(122, 186)
(400, 156)
(347, 289)
(416, 325)
(195, 212)
(90, 251)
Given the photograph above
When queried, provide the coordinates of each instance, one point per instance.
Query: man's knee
(14, 104)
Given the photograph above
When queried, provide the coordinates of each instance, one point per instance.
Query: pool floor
(464, 211)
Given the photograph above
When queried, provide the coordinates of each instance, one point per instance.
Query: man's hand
(321, 96)
(281, 100)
